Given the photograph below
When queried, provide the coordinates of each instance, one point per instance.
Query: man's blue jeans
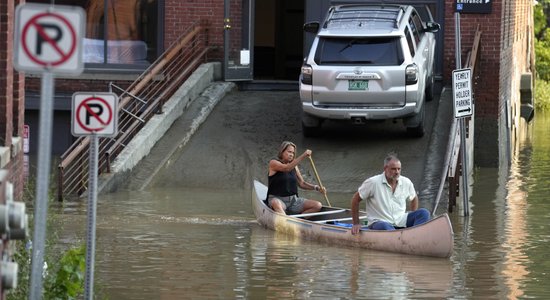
(414, 218)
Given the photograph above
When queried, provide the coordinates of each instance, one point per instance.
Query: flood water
(184, 243)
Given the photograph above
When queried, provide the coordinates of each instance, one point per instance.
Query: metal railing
(453, 167)
(137, 104)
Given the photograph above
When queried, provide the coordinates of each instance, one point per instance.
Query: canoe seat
(340, 219)
(327, 212)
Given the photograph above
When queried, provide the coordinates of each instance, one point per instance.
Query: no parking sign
(94, 114)
(48, 38)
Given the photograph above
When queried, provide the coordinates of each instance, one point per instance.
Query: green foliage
(540, 20)
(542, 95)
(64, 275)
(542, 52)
(67, 283)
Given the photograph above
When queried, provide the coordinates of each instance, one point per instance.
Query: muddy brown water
(191, 233)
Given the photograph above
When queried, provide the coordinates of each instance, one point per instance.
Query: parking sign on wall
(462, 93)
(48, 38)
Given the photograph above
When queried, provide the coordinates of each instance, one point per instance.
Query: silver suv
(369, 62)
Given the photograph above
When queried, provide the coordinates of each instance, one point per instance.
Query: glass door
(238, 39)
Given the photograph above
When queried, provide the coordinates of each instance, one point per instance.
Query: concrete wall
(199, 82)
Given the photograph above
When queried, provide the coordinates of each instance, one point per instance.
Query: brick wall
(11, 101)
(496, 80)
(180, 14)
(11, 115)
(69, 86)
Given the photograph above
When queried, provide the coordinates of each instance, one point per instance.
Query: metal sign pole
(463, 149)
(42, 184)
(92, 206)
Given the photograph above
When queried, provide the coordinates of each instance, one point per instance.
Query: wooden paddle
(318, 179)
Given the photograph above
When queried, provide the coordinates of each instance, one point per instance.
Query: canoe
(332, 225)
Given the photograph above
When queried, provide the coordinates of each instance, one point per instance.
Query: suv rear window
(359, 51)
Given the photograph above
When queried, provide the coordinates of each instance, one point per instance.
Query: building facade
(263, 40)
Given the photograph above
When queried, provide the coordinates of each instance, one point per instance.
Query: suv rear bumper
(348, 113)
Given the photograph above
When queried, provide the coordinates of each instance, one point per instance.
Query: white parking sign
(48, 38)
(462, 93)
(94, 114)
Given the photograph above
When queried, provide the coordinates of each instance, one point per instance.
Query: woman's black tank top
(283, 184)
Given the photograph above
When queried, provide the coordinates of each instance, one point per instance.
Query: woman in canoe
(283, 180)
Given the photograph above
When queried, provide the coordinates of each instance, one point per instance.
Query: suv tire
(430, 88)
(311, 126)
(417, 131)
(311, 131)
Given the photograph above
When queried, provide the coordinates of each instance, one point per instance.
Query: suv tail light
(411, 74)
(307, 73)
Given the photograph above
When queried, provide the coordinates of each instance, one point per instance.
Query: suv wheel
(309, 131)
(311, 126)
(430, 88)
(416, 130)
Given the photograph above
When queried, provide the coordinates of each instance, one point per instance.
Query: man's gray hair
(391, 156)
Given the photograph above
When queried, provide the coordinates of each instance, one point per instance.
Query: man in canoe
(386, 196)
(283, 180)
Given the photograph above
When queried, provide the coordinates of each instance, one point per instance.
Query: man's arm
(414, 204)
(355, 213)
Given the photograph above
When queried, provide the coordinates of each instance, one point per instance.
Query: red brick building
(12, 100)
(269, 33)
(506, 64)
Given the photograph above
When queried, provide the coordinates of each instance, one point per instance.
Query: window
(359, 51)
(122, 32)
(418, 27)
(415, 29)
(410, 41)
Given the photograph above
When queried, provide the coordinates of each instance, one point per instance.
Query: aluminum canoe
(332, 225)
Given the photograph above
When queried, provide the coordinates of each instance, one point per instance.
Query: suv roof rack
(341, 13)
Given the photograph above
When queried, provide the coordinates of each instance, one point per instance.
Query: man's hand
(355, 229)
(355, 213)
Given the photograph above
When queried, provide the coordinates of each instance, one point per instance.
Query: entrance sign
(94, 113)
(473, 6)
(462, 93)
(48, 38)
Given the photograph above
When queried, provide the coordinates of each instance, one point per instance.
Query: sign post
(47, 41)
(463, 103)
(93, 115)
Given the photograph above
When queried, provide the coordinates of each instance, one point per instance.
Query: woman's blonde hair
(283, 147)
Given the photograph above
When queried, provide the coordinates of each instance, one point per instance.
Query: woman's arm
(303, 184)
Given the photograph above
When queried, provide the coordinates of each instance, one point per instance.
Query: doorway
(278, 39)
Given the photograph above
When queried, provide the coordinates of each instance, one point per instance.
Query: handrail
(137, 105)
(446, 175)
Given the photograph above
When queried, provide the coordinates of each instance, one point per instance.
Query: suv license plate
(358, 85)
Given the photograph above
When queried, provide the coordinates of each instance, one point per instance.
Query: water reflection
(297, 269)
(176, 243)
